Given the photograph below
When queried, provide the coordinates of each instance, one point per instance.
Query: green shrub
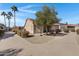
(66, 30)
(1, 33)
(77, 31)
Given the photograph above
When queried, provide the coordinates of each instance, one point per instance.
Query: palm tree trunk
(14, 20)
(9, 24)
(4, 21)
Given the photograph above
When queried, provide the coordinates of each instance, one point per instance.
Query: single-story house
(76, 26)
(31, 26)
(65, 26)
(58, 26)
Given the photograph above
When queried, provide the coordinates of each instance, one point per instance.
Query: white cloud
(27, 8)
(22, 12)
(29, 11)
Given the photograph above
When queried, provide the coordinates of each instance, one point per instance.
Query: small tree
(47, 17)
(51, 17)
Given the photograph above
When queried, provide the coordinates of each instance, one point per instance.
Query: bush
(16, 29)
(66, 30)
(77, 31)
(19, 32)
(1, 33)
(24, 33)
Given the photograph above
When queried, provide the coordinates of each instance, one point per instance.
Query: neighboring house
(77, 27)
(2, 27)
(71, 27)
(60, 26)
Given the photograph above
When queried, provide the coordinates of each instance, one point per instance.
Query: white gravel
(66, 45)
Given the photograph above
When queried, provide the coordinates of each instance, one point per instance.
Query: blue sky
(67, 12)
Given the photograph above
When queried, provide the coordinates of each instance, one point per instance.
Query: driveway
(67, 45)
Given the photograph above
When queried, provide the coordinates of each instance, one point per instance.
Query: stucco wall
(29, 26)
(76, 27)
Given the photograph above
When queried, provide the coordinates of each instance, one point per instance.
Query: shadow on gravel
(7, 35)
(59, 34)
(30, 36)
(10, 52)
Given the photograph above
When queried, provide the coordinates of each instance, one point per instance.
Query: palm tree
(9, 15)
(14, 9)
(4, 14)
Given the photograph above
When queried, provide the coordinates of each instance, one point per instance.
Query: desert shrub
(77, 31)
(1, 33)
(19, 32)
(66, 30)
(16, 29)
(24, 33)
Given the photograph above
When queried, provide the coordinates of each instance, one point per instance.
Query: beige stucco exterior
(76, 27)
(29, 26)
(58, 26)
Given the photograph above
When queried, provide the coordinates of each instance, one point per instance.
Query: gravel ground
(64, 45)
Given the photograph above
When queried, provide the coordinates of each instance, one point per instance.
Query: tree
(14, 9)
(51, 17)
(66, 23)
(4, 14)
(47, 17)
(40, 20)
(8, 16)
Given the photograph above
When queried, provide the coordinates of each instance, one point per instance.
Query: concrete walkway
(66, 45)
